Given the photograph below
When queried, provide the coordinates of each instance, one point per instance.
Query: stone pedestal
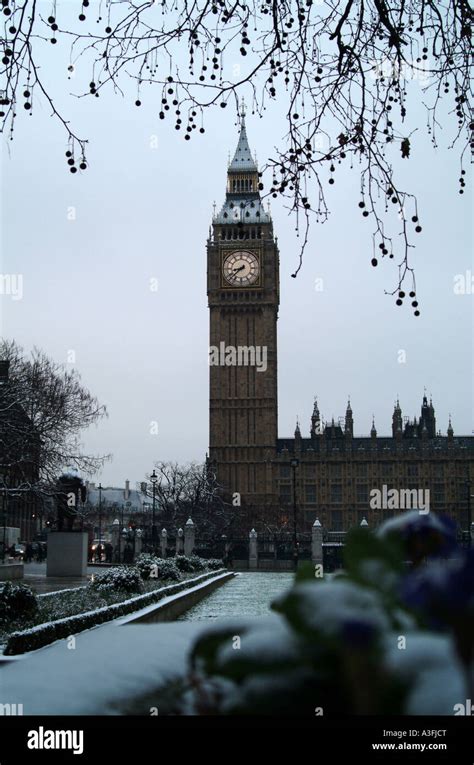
(189, 536)
(138, 544)
(253, 551)
(164, 542)
(11, 571)
(115, 530)
(317, 543)
(67, 553)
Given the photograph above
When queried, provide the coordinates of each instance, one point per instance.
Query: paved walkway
(35, 577)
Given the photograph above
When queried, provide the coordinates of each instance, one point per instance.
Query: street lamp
(146, 509)
(153, 479)
(100, 522)
(4, 503)
(294, 464)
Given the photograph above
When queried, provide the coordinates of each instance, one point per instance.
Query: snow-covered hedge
(190, 563)
(393, 634)
(172, 568)
(122, 578)
(161, 568)
(43, 634)
(214, 563)
(16, 601)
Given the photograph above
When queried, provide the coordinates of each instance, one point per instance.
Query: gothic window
(310, 493)
(362, 470)
(336, 471)
(438, 471)
(438, 493)
(361, 493)
(285, 494)
(336, 492)
(412, 471)
(336, 520)
(285, 471)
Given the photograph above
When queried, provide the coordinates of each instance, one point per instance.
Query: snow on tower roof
(243, 159)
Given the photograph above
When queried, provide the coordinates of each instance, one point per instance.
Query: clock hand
(235, 271)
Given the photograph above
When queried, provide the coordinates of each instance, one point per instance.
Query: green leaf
(362, 545)
(304, 572)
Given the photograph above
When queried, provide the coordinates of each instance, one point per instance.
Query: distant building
(338, 474)
(124, 501)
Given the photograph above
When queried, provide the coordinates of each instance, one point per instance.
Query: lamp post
(294, 464)
(145, 517)
(5, 500)
(153, 479)
(100, 522)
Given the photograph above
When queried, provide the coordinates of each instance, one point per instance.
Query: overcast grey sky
(143, 213)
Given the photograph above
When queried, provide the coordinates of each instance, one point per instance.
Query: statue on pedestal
(70, 489)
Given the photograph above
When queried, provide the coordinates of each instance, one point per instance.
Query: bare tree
(43, 410)
(343, 71)
(184, 491)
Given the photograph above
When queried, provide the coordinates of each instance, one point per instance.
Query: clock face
(241, 268)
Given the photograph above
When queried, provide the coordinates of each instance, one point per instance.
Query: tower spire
(316, 429)
(243, 204)
(349, 421)
(243, 160)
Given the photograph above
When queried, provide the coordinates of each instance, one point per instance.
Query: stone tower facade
(332, 475)
(243, 297)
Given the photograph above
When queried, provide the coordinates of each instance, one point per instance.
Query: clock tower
(243, 295)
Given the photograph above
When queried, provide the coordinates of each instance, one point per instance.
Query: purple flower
(442, 592)
(358, 633)
(422, 536)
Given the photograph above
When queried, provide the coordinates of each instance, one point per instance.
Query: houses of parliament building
(327, 472)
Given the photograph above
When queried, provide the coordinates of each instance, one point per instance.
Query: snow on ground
(109, 665)
(431, 659)
(116, 661)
